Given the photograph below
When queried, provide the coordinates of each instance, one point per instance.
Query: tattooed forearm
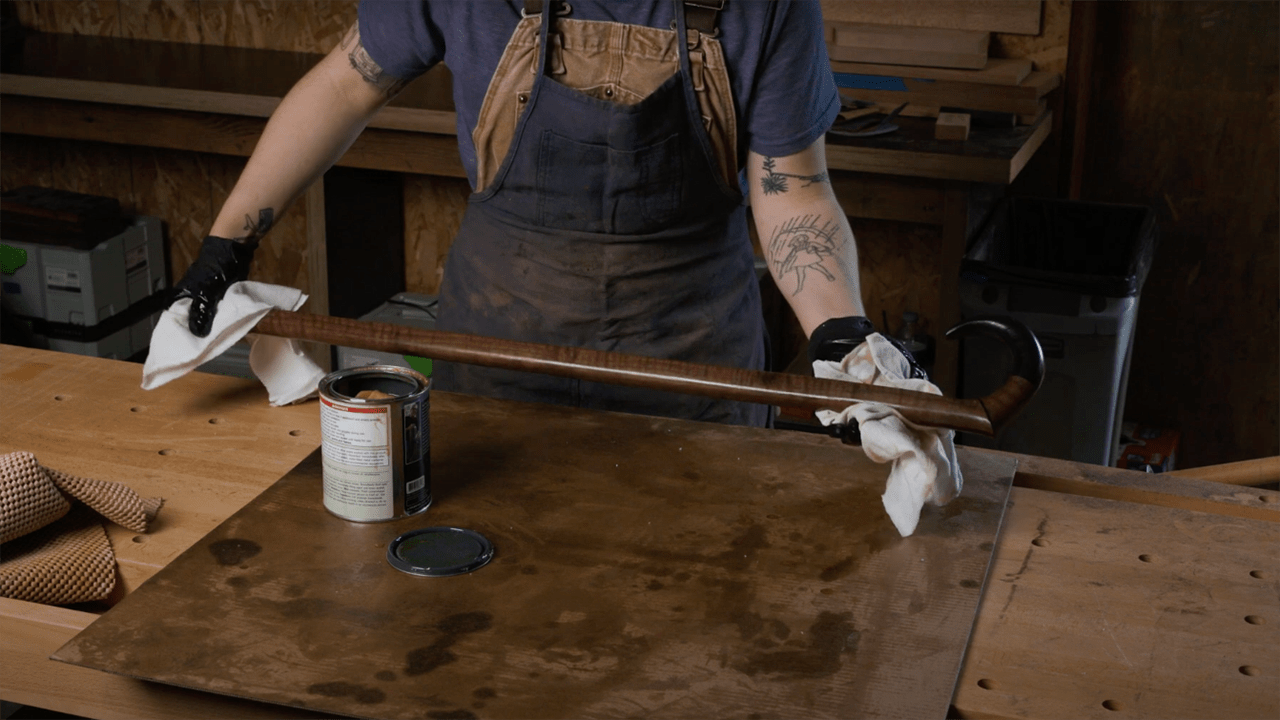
(255, 229)
(802, 246)
(368, 69)
(776, 182)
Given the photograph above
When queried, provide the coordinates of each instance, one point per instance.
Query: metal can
(376, 447)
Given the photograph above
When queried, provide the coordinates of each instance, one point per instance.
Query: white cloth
(925, 468)
(288, 374)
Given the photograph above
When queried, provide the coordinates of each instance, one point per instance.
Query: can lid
(439, 551)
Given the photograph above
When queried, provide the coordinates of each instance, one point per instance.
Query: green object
(422, 365)
(11, 259)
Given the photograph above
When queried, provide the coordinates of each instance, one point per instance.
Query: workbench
(213, 99)
(1110, 593)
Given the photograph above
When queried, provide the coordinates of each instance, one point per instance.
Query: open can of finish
(375, 443)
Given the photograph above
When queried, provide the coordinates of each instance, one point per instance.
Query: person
(608, 145)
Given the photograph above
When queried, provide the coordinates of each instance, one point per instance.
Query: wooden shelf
(988, 156)
(199, 78)
(216, 99)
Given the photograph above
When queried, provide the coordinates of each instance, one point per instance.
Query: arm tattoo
(365, 65)
(803, 244)
(776, 182)
(255, 229)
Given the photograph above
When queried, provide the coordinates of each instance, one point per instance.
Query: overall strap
(549, 61)
(701, 15)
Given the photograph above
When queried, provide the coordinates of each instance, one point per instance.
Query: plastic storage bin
(1073, 272)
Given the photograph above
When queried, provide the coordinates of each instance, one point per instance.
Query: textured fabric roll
(28, 500)
(56, 550)
(70, 561)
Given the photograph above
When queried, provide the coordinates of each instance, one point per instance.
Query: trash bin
(1072, 272)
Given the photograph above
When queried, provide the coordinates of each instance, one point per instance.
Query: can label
(358, 472)
(417, 456)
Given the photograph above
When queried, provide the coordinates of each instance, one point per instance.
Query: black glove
(837, 337)
(221, 262)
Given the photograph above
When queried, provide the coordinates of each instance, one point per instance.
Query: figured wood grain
(729, 383)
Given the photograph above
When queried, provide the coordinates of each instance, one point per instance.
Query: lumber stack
(934, 57)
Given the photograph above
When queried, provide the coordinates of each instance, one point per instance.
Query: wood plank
(202, 442)
(888, 45)
(750, 597)
(1149, 489)
(223, 134)
(1048, 48)
(1098, 608)
(208, 101)
(1003, 16)
(990, 156)
(997, 71)
(29, 633)
(1025, 98)
(952, 126)
(1042, 125)
(1260, 471)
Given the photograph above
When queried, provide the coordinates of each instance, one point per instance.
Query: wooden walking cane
(981, 415)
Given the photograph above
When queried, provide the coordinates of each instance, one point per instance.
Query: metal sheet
(644, 567)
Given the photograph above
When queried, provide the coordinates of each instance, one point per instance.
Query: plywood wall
(297, 25)
(185, 189)
(1185, 121)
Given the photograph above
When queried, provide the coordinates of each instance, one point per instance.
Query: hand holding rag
(288, 374)
(925, 467)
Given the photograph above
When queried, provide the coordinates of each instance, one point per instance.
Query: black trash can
(1073, 272)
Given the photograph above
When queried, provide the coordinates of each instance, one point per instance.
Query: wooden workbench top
(1146, 600)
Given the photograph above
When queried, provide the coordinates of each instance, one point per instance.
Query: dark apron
(610, 227)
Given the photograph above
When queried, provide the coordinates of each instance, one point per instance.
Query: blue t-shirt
(783, 89)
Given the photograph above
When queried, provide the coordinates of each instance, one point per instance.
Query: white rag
(288, 374)
(925, 467)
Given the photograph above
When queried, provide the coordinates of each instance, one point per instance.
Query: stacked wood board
(1019, 17)
(935, 57)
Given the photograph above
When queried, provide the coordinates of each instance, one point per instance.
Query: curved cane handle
(1028, 364)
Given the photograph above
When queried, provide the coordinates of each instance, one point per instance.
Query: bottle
(910, 335)
(919, 344)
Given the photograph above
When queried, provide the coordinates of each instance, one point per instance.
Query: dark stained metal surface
(644, 568)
